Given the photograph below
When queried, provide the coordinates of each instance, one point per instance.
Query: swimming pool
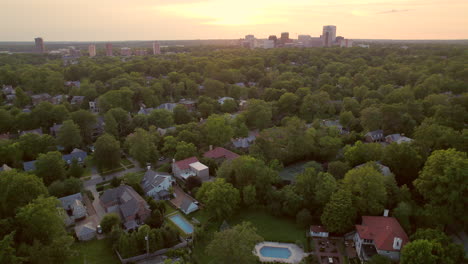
(182, 223)
(275, 252)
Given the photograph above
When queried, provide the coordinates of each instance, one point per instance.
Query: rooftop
(220, 153)
(383, 231)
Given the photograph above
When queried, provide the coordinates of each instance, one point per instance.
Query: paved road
(97, 178)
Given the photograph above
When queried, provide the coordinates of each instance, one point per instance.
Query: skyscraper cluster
(327, 39)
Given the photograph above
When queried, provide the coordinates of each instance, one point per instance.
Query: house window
(368, 241)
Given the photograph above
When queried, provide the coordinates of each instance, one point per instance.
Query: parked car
(99, 229)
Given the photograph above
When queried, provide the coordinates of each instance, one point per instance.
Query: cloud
(394, 11)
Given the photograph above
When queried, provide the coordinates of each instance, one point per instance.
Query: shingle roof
(185, 204)
(318, 229)
(126, 197)
(184, 164)
(69, 200)
(383, 230)
(220, 153)
(167, 106)
(29, 165)
(77, 154)
(153, 179)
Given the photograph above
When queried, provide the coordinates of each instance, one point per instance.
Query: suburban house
(318, 231)
(32, 131)
(374, 136)
(5, 167)
(77, 99)
(223, 99)
(381, 235)
(164, 131)
(58, 99)
(183, 201)
(128, 204)
(157, 184)
(244, 143)
(85, 232)
(73, 205)
(94, 106)
(73, 84)
(38, 98)
(220, 154)
(336, 124)
(189, 104)
(382, 168)
(145, 111)
(8, 89)
(55, 129)
(167, 106)
(77, 154)
(183, 169)
(398, 138)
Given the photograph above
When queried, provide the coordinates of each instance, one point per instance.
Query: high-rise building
(285, 38)
(109, 49)
(268, 44)
(125, 52)
(346, 43)
(304, 40)
(329, 35)
(92, 50)
(156, 48)
(39, 48)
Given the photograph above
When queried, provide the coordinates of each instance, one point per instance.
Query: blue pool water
(182, 223)
(275, 252)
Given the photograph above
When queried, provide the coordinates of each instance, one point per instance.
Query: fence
(151, 255)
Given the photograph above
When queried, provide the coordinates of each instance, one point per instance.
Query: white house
(183, 169)
(318, 231)
(381, 235)
(157, 184)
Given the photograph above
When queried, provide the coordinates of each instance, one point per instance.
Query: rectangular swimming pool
(275, 252)
(182, 223)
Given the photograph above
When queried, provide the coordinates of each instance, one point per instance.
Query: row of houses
(77, 154)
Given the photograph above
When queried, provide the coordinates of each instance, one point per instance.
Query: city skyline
(223, 19)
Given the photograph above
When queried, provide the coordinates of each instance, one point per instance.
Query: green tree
(109, 221)
(258, 114)
(249, 195)
(69, 135)
(181, 115)
(361, 153)
(33, 144)
(206, 109)
(161, 118)
(403, 160)
(185, 150)
(107, 154)
(288, 103)
(7, 251)
(86, 122)
(234, 245)
(339, 213)
(50, 167)
(42, 230)
(141, 147)
(419, 251)
(229, 106)
(220, 198)
(367, 186)
(217, 130)
(338, 169)
(17, 189)
(443, 247)
(214, 88)
(75, 170)
(347, 119)
(169, 147)
(6, 121)
(66, 187)
(371, 118)
(442, 183)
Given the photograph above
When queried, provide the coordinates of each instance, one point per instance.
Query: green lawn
(93, 252)
(271, 228)
(169, 208)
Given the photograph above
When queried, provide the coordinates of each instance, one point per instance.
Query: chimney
(385, 213)
(211, 147)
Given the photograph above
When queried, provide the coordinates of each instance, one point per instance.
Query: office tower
(274, 38)
(92, 50)
(125, 51)
(285, 38)
(40, 48)
(156, 48)
(304, 40)
(329, 35)
(268, 44)
(346, 43)
(339, 39)
(109, 49)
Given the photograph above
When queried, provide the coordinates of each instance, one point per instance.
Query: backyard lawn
(93, 252)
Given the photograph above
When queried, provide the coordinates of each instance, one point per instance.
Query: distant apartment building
(141, 52)
(268, 44)
(285, 38)
(109, 49)
(39, 47)
(92, 50)
(328, 35)
(156, 48)
(125, 52)
(346, 43)
(304, 40)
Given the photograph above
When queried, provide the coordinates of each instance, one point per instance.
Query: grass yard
(271, 228)
(93, 252)
(169, 208)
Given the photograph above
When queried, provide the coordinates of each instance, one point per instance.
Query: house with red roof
(381, 235)
(183, 169)
(220, 154)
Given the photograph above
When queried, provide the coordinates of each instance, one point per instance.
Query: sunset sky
(102, 20)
